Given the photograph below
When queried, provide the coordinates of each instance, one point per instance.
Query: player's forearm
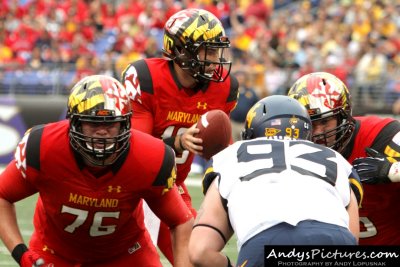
(175, 142)
(181, 236)
(352, 210)
(210, 258)
(205, 246)
(9, 231)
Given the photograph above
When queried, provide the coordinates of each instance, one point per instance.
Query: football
(215, 130)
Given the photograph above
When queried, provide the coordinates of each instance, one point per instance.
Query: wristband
(180, 143)
(18, 251)
(170, 141)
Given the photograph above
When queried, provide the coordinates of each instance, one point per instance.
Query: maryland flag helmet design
(279, 117)
(325, 96)
(99, 99)
(190, 30)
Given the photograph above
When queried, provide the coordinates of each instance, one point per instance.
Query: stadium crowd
(47, 41)
(50, 41)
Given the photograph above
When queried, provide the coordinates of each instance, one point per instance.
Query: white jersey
(266, 182)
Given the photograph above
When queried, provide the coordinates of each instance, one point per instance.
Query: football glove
(31, 259)
(26, 257)
(373, 169)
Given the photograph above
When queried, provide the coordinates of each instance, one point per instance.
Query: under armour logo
(116, 189)
(134, 248)
(46, 248)
(201, 105)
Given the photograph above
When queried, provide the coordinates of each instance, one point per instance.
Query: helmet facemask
(99, 151)
(341, 133)
(196, 59)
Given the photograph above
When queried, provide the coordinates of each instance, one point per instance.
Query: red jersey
(164, 109)
(87, 218)
(378, 217)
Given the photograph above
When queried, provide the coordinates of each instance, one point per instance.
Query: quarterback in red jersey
(370, 143)
(170, 94)
(92, 172)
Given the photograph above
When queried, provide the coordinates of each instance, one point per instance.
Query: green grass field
(25, 211)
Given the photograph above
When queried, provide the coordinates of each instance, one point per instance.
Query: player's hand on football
(31, 259)
(373, 169)
(191, 143)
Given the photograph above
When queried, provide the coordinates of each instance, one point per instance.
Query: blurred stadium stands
(47, 45)
(58, 81)
(43, 81)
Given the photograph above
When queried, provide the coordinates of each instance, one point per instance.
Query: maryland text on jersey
(184, 117)
(93, 202)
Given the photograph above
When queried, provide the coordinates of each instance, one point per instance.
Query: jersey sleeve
(142, 118)
(170, 208)
(231, 101)
(13, 186)
(166, 176)
(353, 179)
(15, 180)
(208, 178)
(356, 186)
(233, 94)
(165, 200)
(139, 86)
(225, 168)
(27, 153)
(387, 141)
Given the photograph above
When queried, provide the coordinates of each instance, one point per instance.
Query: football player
(275, 187)
(375, 140)
(170, 94)
(91, 172)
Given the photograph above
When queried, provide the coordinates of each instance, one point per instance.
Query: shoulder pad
(27, 152)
